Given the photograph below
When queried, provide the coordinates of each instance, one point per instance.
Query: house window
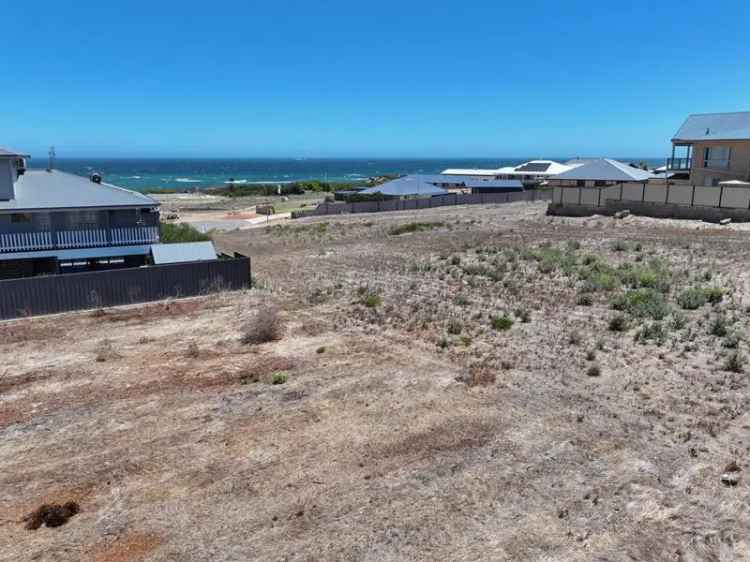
(716, 156)
(600, 183)
(82, 220)
(21, 218)
(581, 183)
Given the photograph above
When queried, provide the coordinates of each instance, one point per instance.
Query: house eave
(84, 208)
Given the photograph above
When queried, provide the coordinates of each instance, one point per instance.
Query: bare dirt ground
(478, 383)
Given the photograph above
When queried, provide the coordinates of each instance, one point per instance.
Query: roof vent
(708, 131)
(96, 177)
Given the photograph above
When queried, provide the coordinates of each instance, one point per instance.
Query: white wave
(237, 181)
(134, 177)
(185, 180)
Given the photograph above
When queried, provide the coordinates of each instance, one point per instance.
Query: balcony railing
(71, 239)
(679, 164)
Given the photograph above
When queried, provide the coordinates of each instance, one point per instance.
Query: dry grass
(380, 445)
(264, 326)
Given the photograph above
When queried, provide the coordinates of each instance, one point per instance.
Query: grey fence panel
(424, 203)
(93, 289)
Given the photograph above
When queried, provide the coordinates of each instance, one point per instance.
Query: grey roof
(80, 254)
(605, 169)
(407, 185)
(39, 189)
(8, 153)
(715, 126)
(494, 184)
(187, 251)
(445, 179)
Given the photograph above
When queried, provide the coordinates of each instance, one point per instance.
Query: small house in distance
(604, 177)
(407, 186)
(711, 148)
(426, 185)
(531, 174)
(52, 221)
(601, 172)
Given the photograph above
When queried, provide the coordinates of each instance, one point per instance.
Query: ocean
(188, 173)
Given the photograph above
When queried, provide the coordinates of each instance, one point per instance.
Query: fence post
(692, 197)
(621, 191)
(721, 194)
(599, 202)
(666, 198)
(643, 193)
(580, 195)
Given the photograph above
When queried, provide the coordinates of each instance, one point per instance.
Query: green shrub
(714, 295)
(678, 320)
(320, 350)
(618, 323)
(643, 303)
(590, 355)
(372, 300)
(598, 276)
(503, 322)
(574, 338)
(594, 371)
(279, 377)
(172, 233)
(443, 342)
(551, 259)
(653, 275)
(692, 298)
(719, 327)
(653, 332)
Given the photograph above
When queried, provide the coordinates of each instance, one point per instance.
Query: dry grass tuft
(478, 376)
(105, 351)
(265, 326)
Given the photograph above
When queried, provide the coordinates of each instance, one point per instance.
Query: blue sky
(385, 78)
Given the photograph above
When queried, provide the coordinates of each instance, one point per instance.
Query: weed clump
(410, 227)
(692, 298)
(643, 303)
(653, 332)
(502, 323)
(618, 323)
(53, 515)
(584, 299)
(735, 363)
(594, 371)
(105, 351)
(265, 326)
(719, 327)
(455, 326)
(279, 377)
(478, 376)
(193, 351)
(523, 315)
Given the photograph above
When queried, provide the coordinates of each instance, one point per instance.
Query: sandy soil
(409, 426)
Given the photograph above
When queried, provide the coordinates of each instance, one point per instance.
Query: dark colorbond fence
(94, 289)
(425, 202)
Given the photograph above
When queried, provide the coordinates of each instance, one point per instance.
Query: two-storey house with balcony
(712, 148)
(52, 222)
